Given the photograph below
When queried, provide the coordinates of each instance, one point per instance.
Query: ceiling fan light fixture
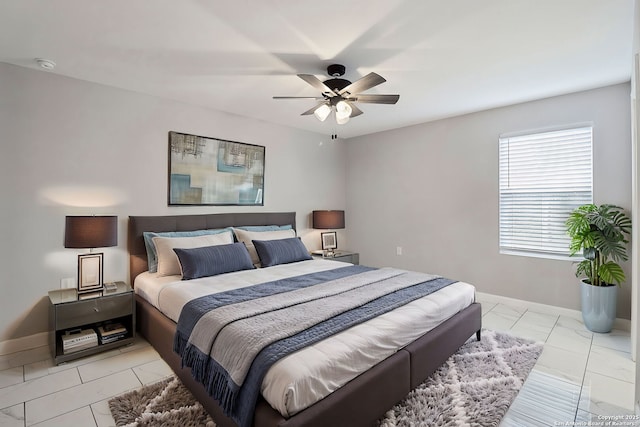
(343, 112)
(341, 95)
(322, 112)
(341, 120)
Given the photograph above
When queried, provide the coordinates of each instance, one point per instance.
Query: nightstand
(343, 256)
(71, 312)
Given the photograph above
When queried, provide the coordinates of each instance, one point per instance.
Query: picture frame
(329, 240)
(205, 171)
(90, 272)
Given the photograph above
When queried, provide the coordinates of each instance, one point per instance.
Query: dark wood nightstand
(71, 312)
(343, 256)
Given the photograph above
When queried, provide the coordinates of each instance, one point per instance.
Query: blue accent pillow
(152, 253)
(213, 260)
(282, 251)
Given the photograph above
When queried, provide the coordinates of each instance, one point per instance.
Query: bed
(358, 402)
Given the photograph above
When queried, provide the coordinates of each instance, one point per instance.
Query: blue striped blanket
(230, 339)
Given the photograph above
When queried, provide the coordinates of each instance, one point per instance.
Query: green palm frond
(610, 272)
(578, 221)
(623, 222)
(583, 268)
(611, 248)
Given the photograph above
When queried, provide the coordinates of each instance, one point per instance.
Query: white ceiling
(444, 57)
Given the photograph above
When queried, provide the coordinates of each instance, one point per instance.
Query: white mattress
(303, 378)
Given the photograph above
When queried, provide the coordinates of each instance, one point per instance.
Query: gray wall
(73, 147)
(433, 190)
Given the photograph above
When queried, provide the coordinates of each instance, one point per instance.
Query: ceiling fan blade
(315, 82)
(375, 99)
(312, 109)
(355, 111)
(367, 82)
(297, 97)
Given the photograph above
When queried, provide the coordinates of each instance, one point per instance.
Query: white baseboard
(621, 324)
(24, 343)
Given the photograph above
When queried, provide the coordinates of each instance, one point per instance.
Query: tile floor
(579, 377)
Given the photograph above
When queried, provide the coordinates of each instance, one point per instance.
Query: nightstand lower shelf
(62, 358)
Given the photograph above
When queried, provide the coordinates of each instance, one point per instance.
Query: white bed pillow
(168, 263)
(247, 237)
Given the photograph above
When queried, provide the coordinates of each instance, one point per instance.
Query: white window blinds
(543, 177)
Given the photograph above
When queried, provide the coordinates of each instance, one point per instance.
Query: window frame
(547, 222)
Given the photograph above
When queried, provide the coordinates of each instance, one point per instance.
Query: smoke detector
(46, 64)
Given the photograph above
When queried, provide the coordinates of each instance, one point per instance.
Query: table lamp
(89, 232)
(328, 220)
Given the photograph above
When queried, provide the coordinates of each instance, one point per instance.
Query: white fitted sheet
(308, 375)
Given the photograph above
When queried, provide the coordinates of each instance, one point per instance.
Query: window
(543, 177)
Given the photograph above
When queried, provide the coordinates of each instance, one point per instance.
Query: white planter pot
(598, 306)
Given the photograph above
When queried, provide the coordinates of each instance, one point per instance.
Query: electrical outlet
(68, 282)
(398, 250)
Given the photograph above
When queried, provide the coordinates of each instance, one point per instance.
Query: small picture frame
(90, 272)
(329, 240)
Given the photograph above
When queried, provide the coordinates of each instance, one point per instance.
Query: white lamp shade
(322, 112)
(341, 120)
(343, 112)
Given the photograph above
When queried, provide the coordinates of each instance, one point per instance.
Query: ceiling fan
(340, 95)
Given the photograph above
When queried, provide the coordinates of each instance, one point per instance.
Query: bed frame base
(360, 402)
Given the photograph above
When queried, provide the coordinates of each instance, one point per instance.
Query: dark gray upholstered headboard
(140, 224)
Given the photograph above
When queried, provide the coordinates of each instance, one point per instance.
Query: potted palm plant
(599, 232)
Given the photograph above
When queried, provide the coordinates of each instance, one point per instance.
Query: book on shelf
(111, 332)
(79, 347)
(78, 339)
(112, 338)
(111, 329)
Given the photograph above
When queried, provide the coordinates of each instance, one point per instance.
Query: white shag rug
(474, 387)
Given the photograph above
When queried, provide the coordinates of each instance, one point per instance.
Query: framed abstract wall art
(212, 171)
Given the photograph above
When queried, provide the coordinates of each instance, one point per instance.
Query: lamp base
(90, 272)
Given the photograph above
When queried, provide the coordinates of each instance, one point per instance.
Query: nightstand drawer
(83, 312)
